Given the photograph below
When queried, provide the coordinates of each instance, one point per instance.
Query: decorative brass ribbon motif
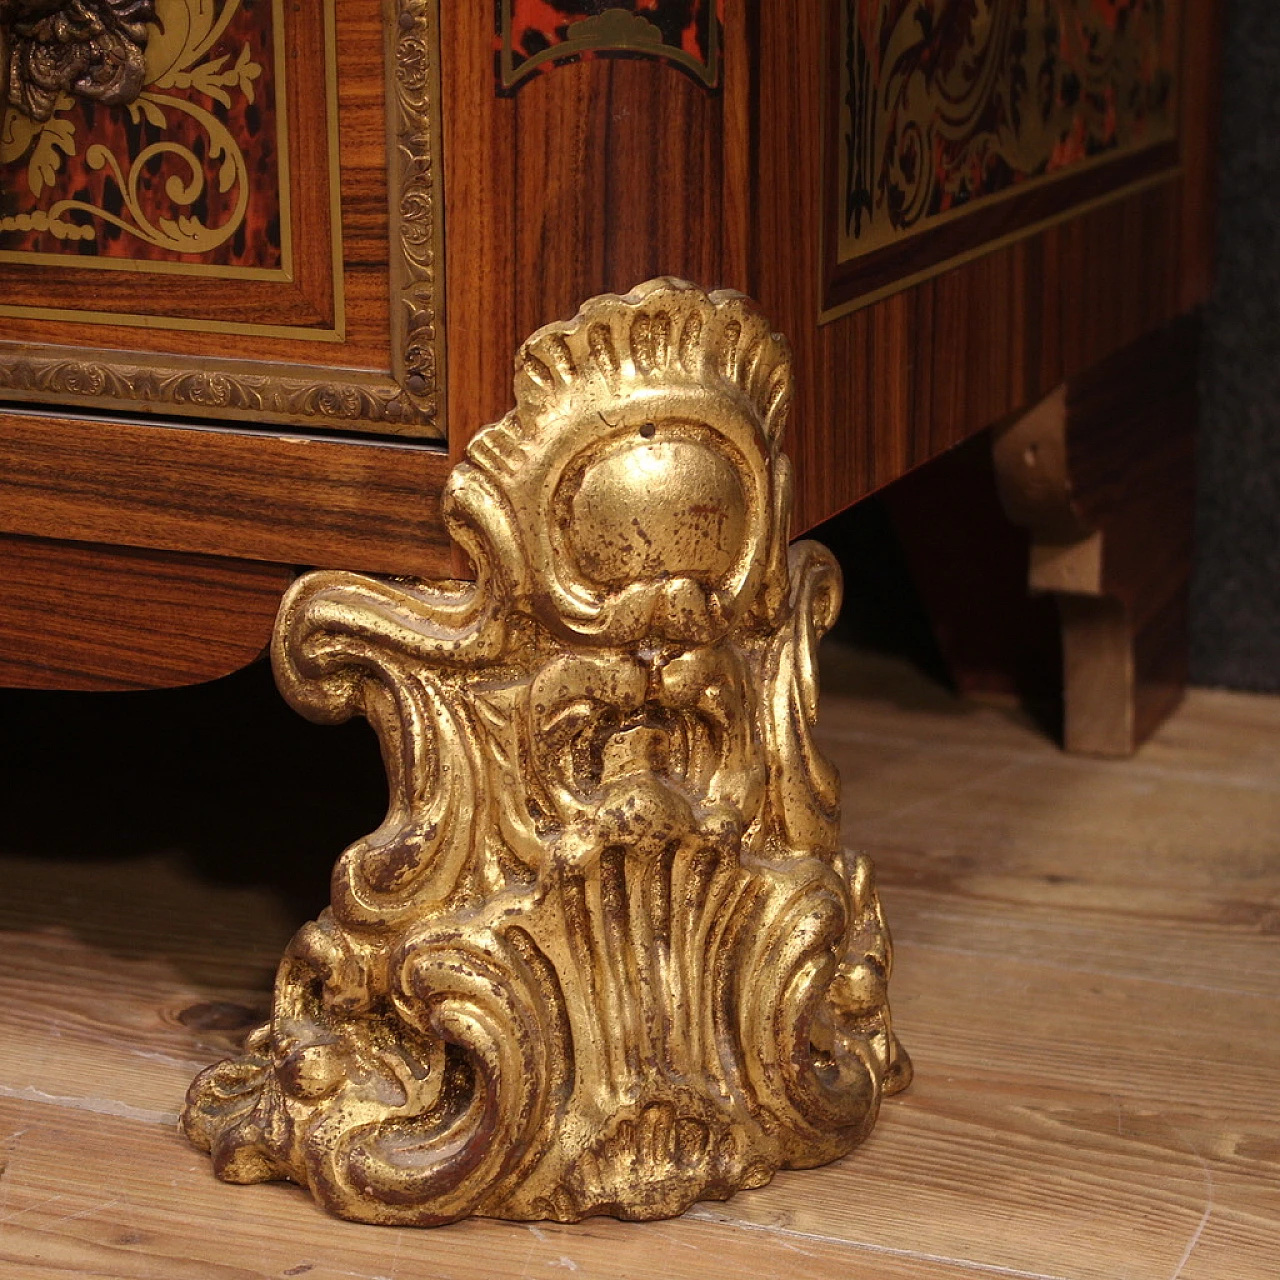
(139, 54)
(536, 35)
(605, 954)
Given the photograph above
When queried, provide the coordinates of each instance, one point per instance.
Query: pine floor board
(1088, 978)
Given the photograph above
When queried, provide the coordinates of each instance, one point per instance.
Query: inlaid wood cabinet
(446, 302)
(264, 264)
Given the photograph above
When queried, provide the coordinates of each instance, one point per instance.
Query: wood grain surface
(886, 388)
(603, 173)
(74, 615)
(1079, 602)
(305, 500)
(592, 178)
(1088, 957)
(1102, 472)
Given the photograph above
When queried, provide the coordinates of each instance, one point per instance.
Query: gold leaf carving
(605, 954)
(411, 399)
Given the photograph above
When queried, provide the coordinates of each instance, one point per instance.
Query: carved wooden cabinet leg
(605, 954)
(1102, 473)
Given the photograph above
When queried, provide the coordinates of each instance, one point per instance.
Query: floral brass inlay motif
(605, 954)
(174, 72)
(409, 398)
(946, 106)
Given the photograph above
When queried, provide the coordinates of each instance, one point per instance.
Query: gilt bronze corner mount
(92, 48)
(605, 954)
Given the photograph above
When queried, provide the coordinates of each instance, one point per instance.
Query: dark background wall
(1236, 593)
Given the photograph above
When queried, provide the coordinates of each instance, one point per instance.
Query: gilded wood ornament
(605, 955)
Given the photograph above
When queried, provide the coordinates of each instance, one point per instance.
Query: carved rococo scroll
(605, 954)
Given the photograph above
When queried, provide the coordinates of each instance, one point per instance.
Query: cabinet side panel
(589, 177)
(886, 387)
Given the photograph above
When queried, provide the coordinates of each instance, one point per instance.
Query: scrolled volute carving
(605, 953)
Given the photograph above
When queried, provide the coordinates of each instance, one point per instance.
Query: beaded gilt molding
(605, 955)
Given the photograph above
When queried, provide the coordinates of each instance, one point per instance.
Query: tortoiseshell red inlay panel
(535, 35)
(189, 172)
(954, 124)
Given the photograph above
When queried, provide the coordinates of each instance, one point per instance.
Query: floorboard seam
(905, 944)
(913, 1255)
(100, 1106)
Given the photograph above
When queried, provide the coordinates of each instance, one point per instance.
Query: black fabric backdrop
(1235, 640)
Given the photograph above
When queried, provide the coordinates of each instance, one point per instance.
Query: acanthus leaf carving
(91, 48)
(605, 953)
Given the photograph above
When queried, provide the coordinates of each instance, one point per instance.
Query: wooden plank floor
(1088, 980)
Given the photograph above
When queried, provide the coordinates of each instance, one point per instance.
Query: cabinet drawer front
(244, 225)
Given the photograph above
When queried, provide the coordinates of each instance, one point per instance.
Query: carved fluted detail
(605, 953)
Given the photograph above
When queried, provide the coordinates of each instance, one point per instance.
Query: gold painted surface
(945, 110)
(605, 954)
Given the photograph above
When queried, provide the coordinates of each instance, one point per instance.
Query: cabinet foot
(1102, 474)
(605, 954)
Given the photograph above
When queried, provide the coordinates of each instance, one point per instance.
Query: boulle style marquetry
(950, 121)
(536, 35)
(190, 194)
(605, 954)
(189, 166)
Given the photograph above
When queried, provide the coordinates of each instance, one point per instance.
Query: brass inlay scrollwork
(946, 109)
(534, 35)
(605, 954)
(406, 399)
(181, 37)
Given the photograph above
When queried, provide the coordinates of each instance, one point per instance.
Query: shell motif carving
(605, 954)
